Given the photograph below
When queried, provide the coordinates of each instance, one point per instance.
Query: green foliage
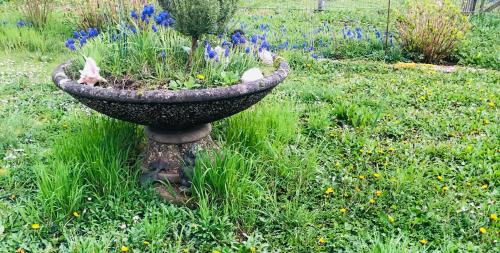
(38, 40)
(431, 31)
(147, 60)
(435, 130)
(103, 14)
(355, 116)
(37, 11)
(82, 162)
(195, 18)
(481, 46)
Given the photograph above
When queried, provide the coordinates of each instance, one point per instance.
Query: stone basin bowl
(170, 110)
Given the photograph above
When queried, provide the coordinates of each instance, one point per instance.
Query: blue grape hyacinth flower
(133, 14)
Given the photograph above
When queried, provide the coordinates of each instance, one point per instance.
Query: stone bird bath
(177, 123)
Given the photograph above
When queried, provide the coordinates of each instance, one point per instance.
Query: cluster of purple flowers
(22, 23)
(81, 37)
(162, 19)
(237, 39)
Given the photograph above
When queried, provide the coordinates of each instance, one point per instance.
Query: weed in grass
(264, 129)
(355, 116)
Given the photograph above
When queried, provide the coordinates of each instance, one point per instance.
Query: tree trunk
(194, 45)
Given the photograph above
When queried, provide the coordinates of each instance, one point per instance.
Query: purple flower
(153, 27)
(254, 39)
(226, 52)
(211, 54)
(359, 35)
(93, 32)
(20, 23)
(315, 56)
(76, 35)
(247, 50)
(132, 29)
(133, 14)
(83, 41)
(69, 42)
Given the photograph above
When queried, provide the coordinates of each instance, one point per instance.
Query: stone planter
(177, 122)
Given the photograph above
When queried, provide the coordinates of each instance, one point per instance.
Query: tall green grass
(96, 158)
(45, 39)
(257, 163)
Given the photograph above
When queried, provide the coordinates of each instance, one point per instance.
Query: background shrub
(100, 14)
(37, 12)
(430, 30)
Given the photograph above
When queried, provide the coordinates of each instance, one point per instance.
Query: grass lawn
(344, 156)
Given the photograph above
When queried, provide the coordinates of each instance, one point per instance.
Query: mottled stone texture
(171, 109)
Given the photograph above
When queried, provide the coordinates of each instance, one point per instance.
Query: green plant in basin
(182, 47)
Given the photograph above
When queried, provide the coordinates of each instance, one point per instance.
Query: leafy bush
(481, 46)
(431, 30)
(37, 11)
(198, 17)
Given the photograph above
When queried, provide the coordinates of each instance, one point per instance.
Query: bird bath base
(170, 158)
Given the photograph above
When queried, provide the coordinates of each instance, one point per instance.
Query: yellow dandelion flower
(484, 186)
(372, 201)
(392, 149)
(309, 65)
(370, 152)
(440, 178)
(201, 76)
(491, 104)
(423, 241)
(482, 230)
(76, 214)
(378, 193)
(124, 249)
(343, 210)
(493, 217)
(376, 175)
(321, 240)
(35, 226)
(329, 191)
(486, 121)
(21, 250)
(445, 188)
(361, 177)
(145, 242)
(391, 219)
(253, 249)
